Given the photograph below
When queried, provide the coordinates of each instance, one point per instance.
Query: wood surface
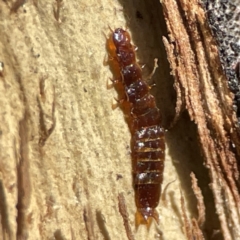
(65, 158)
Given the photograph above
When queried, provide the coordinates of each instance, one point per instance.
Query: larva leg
(113, 83)
(106, 60)
(118, 103)
(154, 69)
(152, 85)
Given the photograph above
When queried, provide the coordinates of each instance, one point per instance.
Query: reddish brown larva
(147, 143)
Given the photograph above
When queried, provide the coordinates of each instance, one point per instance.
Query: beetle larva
(147, 143)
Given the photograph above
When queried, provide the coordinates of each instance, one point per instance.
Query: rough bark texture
(195, 64)
(64, 153)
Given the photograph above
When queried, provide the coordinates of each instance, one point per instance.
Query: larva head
(121, 37)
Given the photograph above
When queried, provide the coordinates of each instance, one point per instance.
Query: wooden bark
(195, 64)
(64, 153)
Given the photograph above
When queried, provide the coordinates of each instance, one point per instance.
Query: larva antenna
(110, 29)
(105, 35)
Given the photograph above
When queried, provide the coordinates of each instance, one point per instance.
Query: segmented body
(147, 143)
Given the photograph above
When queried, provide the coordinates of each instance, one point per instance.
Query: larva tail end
(145, 216)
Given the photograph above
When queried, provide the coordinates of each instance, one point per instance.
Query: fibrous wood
(64, 153)
(195, 63)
